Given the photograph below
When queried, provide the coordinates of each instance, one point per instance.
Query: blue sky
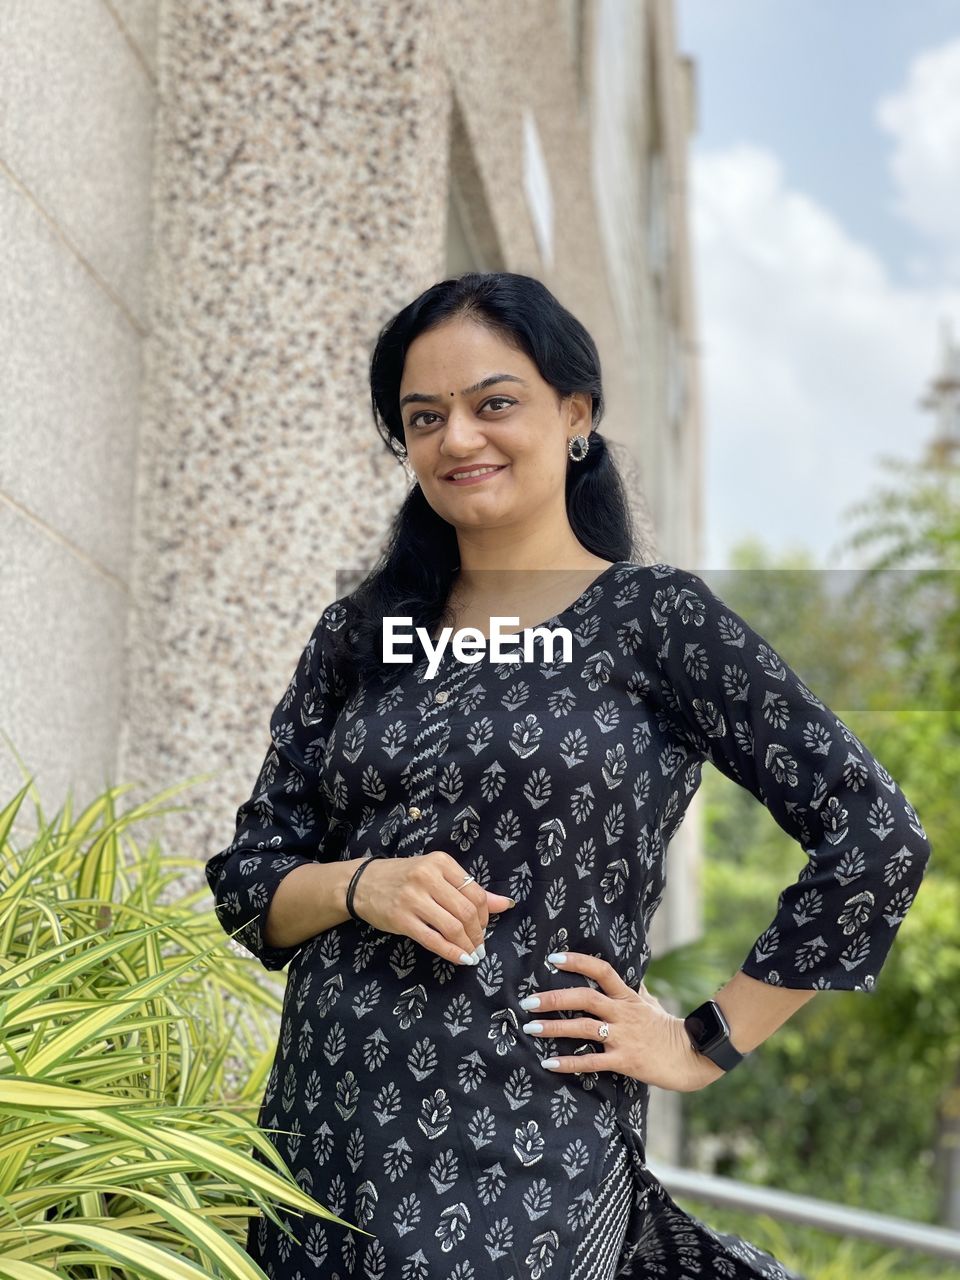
(825, 222)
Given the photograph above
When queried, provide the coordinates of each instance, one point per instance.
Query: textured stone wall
(77, 102)
(209, 210)
(302, 166)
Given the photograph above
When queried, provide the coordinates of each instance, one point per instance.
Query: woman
(519, 815)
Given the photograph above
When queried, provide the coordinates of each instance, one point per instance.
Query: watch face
(706, 1026)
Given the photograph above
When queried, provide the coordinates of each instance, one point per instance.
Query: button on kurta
(413, 811)
(442, 695)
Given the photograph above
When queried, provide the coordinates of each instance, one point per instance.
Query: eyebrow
(420, 398)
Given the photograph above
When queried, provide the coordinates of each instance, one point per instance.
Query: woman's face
(514, 423)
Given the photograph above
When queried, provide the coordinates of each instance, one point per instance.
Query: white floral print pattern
(410, 1100)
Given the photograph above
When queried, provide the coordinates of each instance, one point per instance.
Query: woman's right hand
(420, 897)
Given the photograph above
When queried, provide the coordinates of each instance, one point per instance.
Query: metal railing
(899, 1233)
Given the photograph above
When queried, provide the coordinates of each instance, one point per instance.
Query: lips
(454, 479)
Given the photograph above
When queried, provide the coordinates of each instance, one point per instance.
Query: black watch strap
(725, 1055)
(709, 1034)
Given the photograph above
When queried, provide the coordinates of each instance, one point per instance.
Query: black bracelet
(351, 887)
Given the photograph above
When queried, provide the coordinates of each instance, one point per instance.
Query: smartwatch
(709, 1034)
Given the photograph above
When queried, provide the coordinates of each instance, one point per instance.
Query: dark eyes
(493, 399)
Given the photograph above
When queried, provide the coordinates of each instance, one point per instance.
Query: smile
(473, 476)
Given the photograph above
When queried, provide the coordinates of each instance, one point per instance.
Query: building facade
(208, 213)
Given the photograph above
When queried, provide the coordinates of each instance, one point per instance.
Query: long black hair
(416, 568)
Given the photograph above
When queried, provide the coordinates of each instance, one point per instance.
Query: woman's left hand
(645, 1040)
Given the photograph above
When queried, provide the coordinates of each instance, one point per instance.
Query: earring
(577, 448)
(401, 454)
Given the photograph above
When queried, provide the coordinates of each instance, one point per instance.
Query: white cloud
(923, 118)
(813, 360)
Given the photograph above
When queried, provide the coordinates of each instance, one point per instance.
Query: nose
(462, 435)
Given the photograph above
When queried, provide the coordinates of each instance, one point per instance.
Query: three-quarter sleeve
(734, 699)
(281, 825)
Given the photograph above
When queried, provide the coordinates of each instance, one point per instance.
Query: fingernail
(532, 1026)
(549, 1062)
(530, 1002)
(512, 901)
(465, 959)
(557, 957)
(481, 950)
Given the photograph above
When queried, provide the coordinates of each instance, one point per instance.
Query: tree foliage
(854, 1089)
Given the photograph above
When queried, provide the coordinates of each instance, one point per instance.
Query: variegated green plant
(134, 1047)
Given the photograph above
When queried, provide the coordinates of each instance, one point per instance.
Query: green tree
(854, 1089)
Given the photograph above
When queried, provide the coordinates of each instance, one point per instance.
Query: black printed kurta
(418, 1107)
